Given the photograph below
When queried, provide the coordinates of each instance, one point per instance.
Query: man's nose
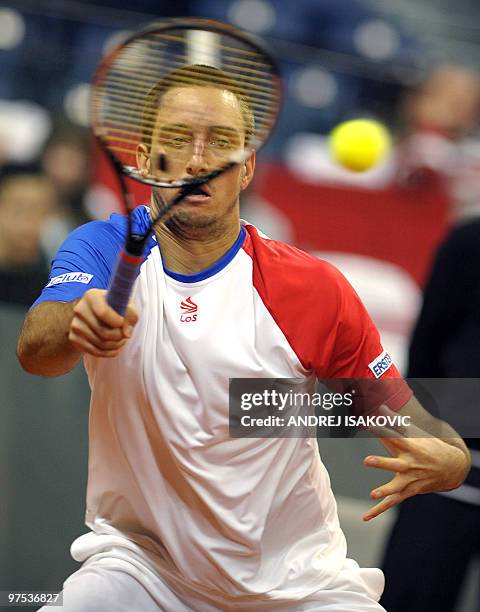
(197, 163)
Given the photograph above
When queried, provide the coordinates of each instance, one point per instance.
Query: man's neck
(186, 254)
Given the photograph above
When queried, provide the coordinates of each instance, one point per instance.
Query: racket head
(129, 95)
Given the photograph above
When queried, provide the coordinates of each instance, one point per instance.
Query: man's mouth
(199, 194)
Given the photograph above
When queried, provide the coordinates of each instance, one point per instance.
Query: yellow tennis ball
(359, 144)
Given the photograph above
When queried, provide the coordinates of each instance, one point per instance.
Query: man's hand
(422, 464)
(97, 329)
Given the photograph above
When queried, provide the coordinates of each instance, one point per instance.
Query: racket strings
(229, 65)
(131, 101)
(149, 54)
(135, 96)
(127, 91)
(124, 89)
(241, 84)
(212, 42)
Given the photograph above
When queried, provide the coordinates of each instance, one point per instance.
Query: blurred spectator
(440, 120)
(66, 160)
(27, 201)
(436, 536)
(447, 103)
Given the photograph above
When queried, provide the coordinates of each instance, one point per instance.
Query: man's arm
(56, 334)
(426, 457)
(423, 420)
(43, 346)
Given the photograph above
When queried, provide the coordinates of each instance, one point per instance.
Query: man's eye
(221, 143)
(179, 141)
(174, 139)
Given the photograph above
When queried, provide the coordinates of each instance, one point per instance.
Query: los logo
(189, 311)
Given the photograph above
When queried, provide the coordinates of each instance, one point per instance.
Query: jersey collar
(214, 268)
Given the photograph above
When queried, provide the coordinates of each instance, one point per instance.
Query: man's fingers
(107, 324)
(96, 301)
(413, 488)
(131, 318)
(81, 330)
(396, 485)
(84, 346)
(131, 315)
(97, 329)
(396, 444)
(384, 505)
(392, 464)
(87, 318)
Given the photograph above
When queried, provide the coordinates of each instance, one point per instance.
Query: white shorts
(102, 586)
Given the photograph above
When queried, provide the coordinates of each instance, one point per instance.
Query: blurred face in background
(26, 203)
(449, 101)
(67, 165)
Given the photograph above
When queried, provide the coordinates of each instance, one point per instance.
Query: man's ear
(247, 171)
(143, 159)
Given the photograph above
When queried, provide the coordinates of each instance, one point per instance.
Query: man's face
(26, 203)
(67, 165)
(196, 129)
(449, 101)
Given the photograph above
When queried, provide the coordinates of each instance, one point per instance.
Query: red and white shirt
(225, 519)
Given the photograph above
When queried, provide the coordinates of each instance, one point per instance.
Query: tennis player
(180, 515)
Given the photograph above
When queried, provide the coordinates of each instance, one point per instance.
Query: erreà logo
(381, 364)
(189, 311)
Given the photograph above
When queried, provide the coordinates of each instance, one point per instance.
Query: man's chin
(191, 220)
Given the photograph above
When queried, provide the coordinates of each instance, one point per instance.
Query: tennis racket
(134, 129)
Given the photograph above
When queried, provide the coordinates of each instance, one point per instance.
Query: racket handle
(123, 278)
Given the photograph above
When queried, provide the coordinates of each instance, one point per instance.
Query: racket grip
(123, 278)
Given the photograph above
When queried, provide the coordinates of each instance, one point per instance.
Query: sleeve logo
(381, 364)
(71, 277)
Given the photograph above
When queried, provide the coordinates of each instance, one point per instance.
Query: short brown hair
(197, 75)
